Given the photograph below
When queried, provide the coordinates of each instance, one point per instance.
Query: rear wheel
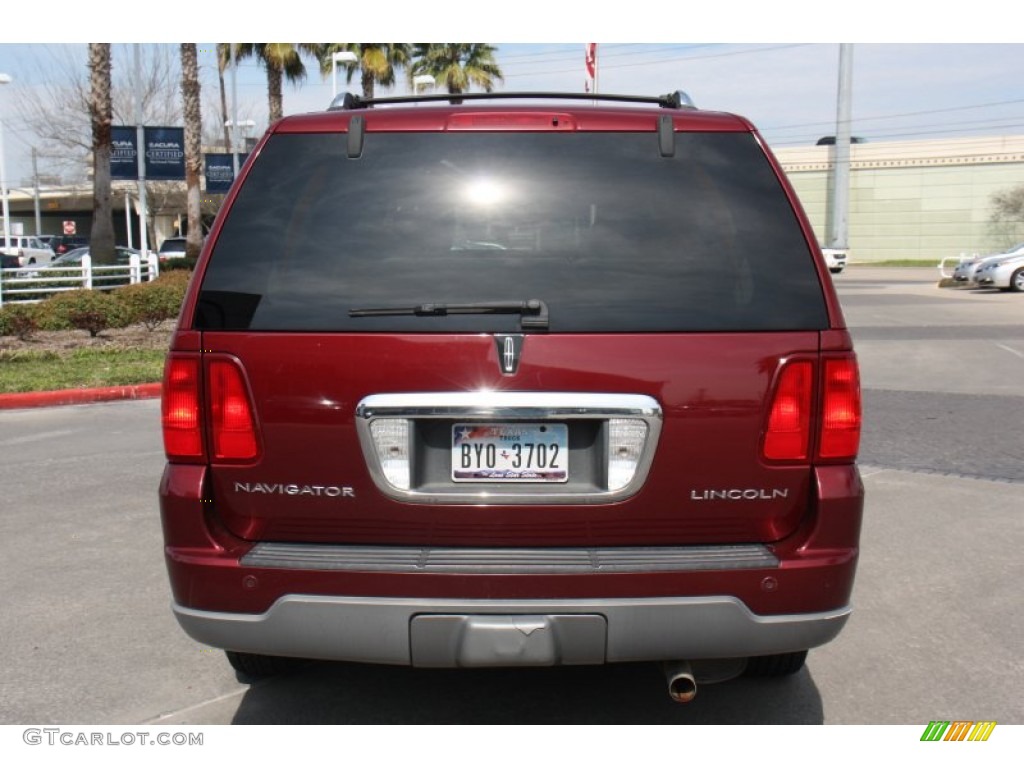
(835, 270)
(1017, 280)
(776, 665)
(257, 665)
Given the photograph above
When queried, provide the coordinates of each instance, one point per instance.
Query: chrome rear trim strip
(562, 560)
(496, 405)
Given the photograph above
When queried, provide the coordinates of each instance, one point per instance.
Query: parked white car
(171, 248)
(1006, 273)
(27, 249)
(835, 258)
(966, 271)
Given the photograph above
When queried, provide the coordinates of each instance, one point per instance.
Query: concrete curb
(79, 396)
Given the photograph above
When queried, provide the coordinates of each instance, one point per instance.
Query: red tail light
(233, 429)
(788, 436)
(181, 411)
(841, 410)
(230, 415)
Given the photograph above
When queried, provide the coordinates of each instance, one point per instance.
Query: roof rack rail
(674, 100)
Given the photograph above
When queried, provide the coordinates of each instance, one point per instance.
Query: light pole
(246, 126)
(35, 187)
(839, 235)
(339, 57)
(234, 108)
(4, 80)
(140, 152)
(247, 129)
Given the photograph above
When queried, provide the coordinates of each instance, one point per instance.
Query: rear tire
(256, 665)
(776, 665)
(835, 270)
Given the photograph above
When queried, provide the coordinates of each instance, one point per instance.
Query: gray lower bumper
(469, 633)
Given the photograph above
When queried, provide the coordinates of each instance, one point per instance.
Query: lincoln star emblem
(509, 355)
(510, 347)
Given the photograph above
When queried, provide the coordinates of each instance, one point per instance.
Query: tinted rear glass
(609, 234)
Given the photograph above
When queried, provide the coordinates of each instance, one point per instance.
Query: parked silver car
(967, 271)
(70, 265)
(1006, 273)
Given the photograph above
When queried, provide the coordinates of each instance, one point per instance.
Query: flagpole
(590, 67)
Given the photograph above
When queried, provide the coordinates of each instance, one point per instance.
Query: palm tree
(280, 60)
(101, 235)
(193, 149)
(377, 62)
(223, 62)
(458, 66)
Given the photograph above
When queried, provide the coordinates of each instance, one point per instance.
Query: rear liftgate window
(607, 233)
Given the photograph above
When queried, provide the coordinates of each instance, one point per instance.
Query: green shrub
(92, 311)
(177, 265)
(18, 320)
(153, 302)
(178, 278)
(50, 317)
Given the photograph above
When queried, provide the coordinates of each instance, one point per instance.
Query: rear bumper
(507, 606)
(472, 633)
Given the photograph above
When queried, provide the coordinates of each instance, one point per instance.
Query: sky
(954, 77)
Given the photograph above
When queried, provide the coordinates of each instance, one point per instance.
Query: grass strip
(40, 371)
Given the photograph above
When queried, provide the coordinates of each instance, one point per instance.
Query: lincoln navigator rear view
(527, 380)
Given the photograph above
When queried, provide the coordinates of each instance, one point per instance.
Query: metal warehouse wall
(914, 200)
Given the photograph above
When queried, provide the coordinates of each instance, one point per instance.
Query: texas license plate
(512, 452)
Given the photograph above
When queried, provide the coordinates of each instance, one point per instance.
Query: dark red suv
(526, 380)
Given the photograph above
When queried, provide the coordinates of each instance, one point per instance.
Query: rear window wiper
(534, 312)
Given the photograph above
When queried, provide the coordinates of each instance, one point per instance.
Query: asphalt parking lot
(89, 637)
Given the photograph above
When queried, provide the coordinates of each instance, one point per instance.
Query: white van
(28, 249)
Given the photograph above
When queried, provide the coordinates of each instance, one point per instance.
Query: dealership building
(908, 200)
(914, 199)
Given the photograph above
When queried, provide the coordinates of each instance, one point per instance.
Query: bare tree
(101, 239)
(213, 134)
(57, 111)
(193, 148)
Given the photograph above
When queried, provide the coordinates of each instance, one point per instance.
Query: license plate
(513, 453)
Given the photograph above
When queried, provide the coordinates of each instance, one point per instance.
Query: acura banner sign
(124, 160)
(165, 153)
(220, 172)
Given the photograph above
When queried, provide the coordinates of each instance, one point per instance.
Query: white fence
(945, 272)
(35, 283)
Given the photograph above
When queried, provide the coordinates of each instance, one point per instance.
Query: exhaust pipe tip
(682, 689)
(682, 685)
